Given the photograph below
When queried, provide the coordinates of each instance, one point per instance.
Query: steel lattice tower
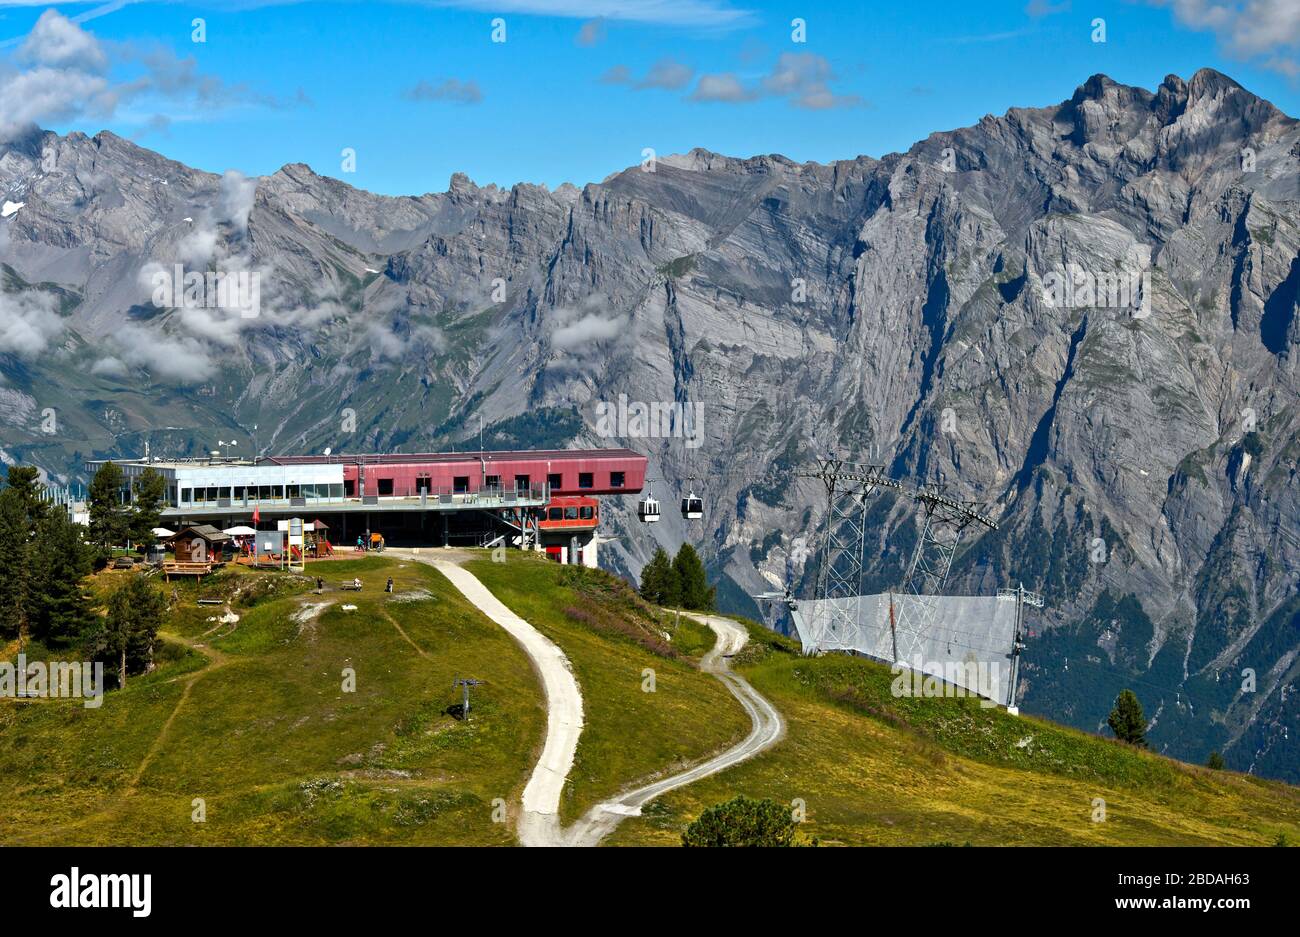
(943, 521)
(849, 486)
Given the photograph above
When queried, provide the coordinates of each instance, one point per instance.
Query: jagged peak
(461, 184)
(1208, 81)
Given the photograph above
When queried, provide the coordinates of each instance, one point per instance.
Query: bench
(350, 586)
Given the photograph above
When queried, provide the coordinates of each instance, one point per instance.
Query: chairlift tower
(849, 486)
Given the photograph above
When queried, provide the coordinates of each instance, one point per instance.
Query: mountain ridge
(918, 333)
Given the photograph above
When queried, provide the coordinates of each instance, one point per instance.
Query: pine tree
(150, 490)
(14, 536)
(1215, 762)
(659, 581)
(24, 480)
(58, 611)
(124, 638)
(697, 594)
(1127, 720)
(109, 520)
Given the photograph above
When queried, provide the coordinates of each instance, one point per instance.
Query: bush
(742, 821)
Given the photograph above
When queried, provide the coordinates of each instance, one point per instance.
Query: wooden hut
(199, 544)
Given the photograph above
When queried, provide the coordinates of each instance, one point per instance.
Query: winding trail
(539, 823)
(769, 728)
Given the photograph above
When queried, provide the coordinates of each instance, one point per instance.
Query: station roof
(508, 455)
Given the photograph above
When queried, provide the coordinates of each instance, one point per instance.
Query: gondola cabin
(692, 507)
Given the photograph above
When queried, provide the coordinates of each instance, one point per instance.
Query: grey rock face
(1134, 428)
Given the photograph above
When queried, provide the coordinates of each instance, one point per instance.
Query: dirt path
(539, 823)
(768, 729)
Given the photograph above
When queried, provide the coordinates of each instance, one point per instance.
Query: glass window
(185, 496)
(336, 491)
(570, 514)
(460, 484)
(223, 492)
(522, 482)
(494, 481)
(385, 486)
(294, 491)
(617, 479)
(555, 480)
(212, 493)
(586, 480)
(555, 514)
(587, 513)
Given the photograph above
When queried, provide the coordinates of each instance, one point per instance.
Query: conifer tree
(58, 610)
(659, 581)
(146, 514)
(14, 537)
(109, 518)
(1127, 720)
(124, 638)
(25, 481)
(697, 594)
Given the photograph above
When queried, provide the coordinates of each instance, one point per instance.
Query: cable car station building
(542, 500)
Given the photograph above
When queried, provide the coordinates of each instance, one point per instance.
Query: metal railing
(534, 495)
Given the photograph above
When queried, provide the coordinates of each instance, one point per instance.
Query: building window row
(242, 493)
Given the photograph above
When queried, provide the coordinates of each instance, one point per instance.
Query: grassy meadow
(872, 769)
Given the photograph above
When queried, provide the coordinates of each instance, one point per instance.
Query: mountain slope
(1140, 451)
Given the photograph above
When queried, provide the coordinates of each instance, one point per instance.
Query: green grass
(253, 719)
(611, 637)
(870, 768)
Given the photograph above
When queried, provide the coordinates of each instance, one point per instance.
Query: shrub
(742, 821)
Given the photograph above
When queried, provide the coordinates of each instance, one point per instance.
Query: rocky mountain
(1083, 315)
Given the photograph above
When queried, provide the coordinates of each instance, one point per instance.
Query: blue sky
(579, 89)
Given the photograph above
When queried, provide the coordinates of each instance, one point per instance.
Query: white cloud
(592, 33)
(58, 42)
(699, 13)
(726, 87)
(667, 73)
(1247, 28)
(29, 322)
(802, 78)
(236, 199)
(109, 366)
(394, 342)
(462, 92)
(71, 74)
(174, 359)
(590, 328)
